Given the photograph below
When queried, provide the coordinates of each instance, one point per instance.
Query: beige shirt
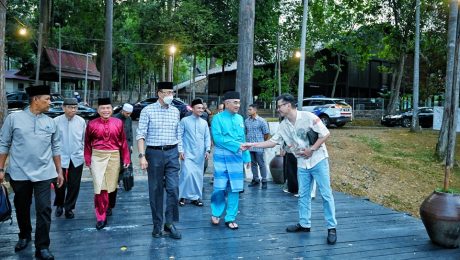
(295, 137)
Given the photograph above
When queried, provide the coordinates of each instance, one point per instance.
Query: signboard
(437, 118)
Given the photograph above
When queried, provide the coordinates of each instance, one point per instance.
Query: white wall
(437, 118)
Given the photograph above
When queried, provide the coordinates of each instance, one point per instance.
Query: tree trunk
(415, 124)
(396, 87)
(106, 75)
(45, 18)
(245, 59)
(441, 146)
(339, 69)
(192, 82)
(3, 101)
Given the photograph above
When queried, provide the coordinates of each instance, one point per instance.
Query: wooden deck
(366, 230)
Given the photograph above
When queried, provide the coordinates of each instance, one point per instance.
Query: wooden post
(106, 75)
(245, 59)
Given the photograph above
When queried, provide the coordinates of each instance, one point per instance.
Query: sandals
(231, 225)
(215, 220)
(197, 202)
(182, 202)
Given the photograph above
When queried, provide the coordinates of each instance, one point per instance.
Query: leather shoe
(44, 254)
(297, 228)
(21, 244)
(69, 214)
(264, 185)
(101, 224)
(253, 183)
(156, 233)
(59, 211)
(331, 236)
(109, 212)
(173, 232)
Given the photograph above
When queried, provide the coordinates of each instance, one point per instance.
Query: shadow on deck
(365, 230)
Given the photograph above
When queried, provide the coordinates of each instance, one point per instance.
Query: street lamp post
(90, 54)
(172, 50)
(60, 59)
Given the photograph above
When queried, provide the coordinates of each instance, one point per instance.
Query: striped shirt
(256, 128)
(158, 125)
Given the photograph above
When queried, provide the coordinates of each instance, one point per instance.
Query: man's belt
(163, 148)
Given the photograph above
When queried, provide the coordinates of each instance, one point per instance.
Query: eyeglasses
(168, 92)
(279, 106)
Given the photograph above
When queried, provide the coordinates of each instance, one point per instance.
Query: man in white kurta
(194, 150)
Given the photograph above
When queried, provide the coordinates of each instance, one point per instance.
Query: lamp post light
(90, 54)
(60, 59)
(172, 50)
(23, 31)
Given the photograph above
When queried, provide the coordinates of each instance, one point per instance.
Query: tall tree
(245, 61)
(415, 124)
(441, 147)
(3, 101)
(106, 71)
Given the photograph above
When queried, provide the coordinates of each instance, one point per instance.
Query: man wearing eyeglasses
(228, 133)
(158, 140)
(312, 161)
(72, 128)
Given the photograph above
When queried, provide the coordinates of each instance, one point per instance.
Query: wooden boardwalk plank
(366, 230)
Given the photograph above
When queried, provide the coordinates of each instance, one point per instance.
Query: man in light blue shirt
(31, 139)
(72, 131)
(227, 129)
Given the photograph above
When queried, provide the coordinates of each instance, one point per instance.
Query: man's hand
(247, 165)
(60, 179)
(306, 153)
(246, 146)
(182, 156)
(143, 162)
(125, 165)
(2, 176)
(206, 155)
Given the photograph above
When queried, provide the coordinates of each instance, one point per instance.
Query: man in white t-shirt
(312, 161)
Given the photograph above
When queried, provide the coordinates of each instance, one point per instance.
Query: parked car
(84, 111)
(332, 111)
(183, 107)
(425, 117)
(20, 99)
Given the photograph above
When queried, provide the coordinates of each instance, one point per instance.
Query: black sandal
(197, 202)
(182, 202)
(231, 225)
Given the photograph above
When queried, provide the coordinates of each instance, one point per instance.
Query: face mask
(168, 100)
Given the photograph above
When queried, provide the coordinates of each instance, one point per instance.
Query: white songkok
(128, 108)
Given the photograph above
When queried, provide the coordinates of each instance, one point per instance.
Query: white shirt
(295, 137)
(72, 134)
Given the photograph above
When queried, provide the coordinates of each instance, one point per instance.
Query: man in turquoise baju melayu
(227, 129)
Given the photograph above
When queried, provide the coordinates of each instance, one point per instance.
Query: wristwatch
(141, 155)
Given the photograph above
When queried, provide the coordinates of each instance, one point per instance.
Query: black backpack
(5, 205)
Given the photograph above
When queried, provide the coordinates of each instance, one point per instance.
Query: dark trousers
(163, 174)
(72, 180)
(41, 190)
(258, 163)
(290, 172)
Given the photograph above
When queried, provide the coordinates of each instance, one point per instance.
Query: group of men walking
(172, 151)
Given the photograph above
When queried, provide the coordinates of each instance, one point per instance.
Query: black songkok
(232, 95)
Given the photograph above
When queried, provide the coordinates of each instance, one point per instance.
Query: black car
(20, 99)
(425, 117)
(84, 111)
(183, 107)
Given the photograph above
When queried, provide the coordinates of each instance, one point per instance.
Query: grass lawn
(390, 166)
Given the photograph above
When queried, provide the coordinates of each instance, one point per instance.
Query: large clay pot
(276, 169)
(440, 213)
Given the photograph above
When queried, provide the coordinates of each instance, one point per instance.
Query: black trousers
(163, 175)
(41, 190)
(290, 172)
(72, 180)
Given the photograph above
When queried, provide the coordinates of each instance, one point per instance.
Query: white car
(332, 111)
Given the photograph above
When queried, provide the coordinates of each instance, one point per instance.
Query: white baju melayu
(196, 141)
